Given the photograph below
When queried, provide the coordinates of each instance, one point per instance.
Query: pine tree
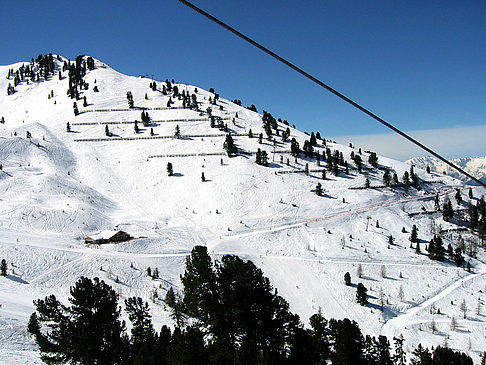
(447, 211)
(406, 180)
(458, 197)
(382, 349)
(68, 127)
(203, 178)
(76, 331)
(85, 103)
(143, 335)
(75, 107)
(436, 249)
(313, 140)
(145, 118)
(421, 356)
(294, 148)
(170, 298)
(130, 99)
(414, 234)
(386, 178)
(348, 342)
(358, 162)
(450, 252)
(319, 337)
(335, 169)
(347, 279)
(437, 202)
(169, 169)
(229, 146)
(415, 181)
(373, 159)
(177, 132)
(3, 268)
(135, 127)
(225, 299)
(361, 294)
(177, 312)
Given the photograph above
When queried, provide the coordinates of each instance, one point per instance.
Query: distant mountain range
(476, 166)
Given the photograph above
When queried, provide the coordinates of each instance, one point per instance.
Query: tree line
(228, 313)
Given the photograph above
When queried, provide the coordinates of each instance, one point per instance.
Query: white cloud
(448, 142)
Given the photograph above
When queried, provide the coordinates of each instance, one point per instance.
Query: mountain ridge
(58, 187)
(476, 166)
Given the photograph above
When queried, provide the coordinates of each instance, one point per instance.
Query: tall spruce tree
(414, 234)
(406, 180)
(361, 294)
(170, 172)
(373, 159)
(387, 178)
(3, 268)
(229, 146)
(89, 331)
(447, 210)
(348, 342)
(143, 335)
(130, 99)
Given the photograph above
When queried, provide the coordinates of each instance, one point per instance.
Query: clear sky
(421, 65)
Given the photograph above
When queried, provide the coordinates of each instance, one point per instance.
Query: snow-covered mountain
(476, 166)
(58, 187)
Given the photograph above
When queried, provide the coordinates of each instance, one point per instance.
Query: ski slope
(58, 187)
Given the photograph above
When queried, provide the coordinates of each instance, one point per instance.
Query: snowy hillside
(58, 187)
(476, 166)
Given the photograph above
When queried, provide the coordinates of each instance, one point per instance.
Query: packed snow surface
(58, 187)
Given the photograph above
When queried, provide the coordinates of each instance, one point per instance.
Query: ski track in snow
(53, 270)
(392, 326)
(339, 215)
(55, 195)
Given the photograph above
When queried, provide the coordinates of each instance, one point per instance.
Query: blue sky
(421, 65)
